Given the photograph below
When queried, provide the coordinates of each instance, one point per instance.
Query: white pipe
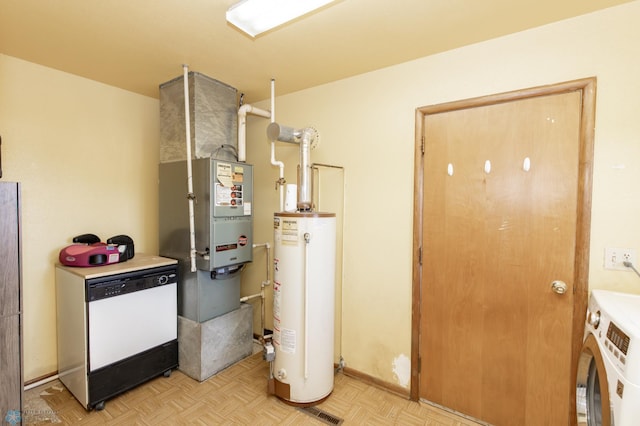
(242, 127)
(267, 246)
(247, 298)
(273, 100)
(190, 197)
(275, 162)
(280, 164)
(261, 295)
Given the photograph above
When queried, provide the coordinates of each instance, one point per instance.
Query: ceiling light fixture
(257, 16)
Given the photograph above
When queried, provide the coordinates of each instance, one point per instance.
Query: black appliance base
(128, 373)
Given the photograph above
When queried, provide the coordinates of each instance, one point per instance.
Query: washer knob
(593, 318)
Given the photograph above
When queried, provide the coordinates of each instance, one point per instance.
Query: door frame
(587, 87)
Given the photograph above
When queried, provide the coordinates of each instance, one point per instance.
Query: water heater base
(283, 392)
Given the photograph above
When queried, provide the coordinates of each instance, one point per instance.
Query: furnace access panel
(223, 216)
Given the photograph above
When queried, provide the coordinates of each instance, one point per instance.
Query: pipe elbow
(250, 109)
(244, 109)
(311, 136)
(280, 164)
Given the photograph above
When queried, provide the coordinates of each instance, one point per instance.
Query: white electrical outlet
(614, 258)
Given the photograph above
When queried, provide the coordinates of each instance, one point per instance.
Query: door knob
(559, 287)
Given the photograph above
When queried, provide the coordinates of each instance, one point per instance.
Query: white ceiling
(139, 44)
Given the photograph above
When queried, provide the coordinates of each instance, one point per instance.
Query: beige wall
(86, 155)
(367, 124)
(49, 119)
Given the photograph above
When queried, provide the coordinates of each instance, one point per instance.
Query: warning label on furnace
(229, 196)
(238, 174)
(223, 174)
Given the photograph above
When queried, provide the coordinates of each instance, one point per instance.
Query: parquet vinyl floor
(234, 396)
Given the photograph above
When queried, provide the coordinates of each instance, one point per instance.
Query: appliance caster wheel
(167, 373)
(99, 406)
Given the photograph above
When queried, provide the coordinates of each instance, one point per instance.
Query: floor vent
(323, 416)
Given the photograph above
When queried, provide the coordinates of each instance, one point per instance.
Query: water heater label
(289, 232)
(288, 340)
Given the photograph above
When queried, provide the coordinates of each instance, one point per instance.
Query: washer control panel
(610, 335)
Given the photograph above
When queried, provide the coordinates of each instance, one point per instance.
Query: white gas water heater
(304, 288)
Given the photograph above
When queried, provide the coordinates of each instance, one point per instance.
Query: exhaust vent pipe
(307, 138)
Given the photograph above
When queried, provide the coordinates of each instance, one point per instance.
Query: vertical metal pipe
(304, 180)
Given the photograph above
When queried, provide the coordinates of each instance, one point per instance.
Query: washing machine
(608, 379)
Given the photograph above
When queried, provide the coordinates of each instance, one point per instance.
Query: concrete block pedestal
(206, 348)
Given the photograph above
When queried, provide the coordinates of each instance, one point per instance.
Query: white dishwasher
(117, 326)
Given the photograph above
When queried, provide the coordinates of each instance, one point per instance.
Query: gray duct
(213, 119)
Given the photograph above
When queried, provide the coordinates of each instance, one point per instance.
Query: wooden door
(10, 304)
(503, 216)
